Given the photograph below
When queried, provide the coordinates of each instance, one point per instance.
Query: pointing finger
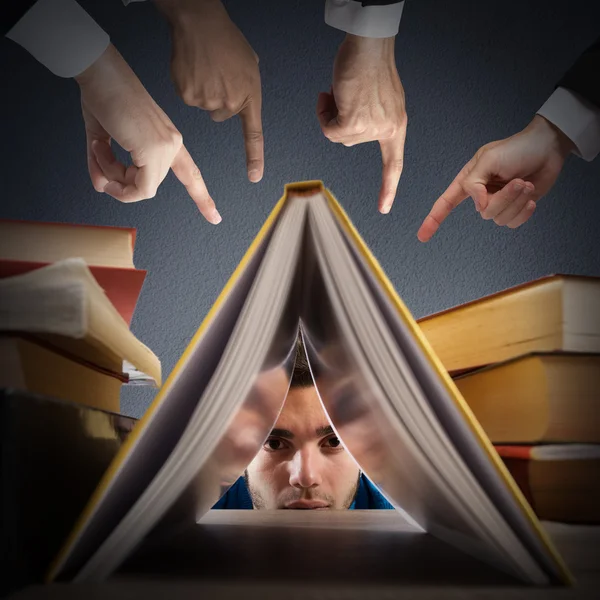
(188, 173)
(253, 138)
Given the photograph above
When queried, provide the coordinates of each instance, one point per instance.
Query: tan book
(29, 366)
(537, 398)
(50, 242)
(562, 483)
(559, 312)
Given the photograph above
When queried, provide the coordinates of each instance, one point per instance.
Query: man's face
(303, 464)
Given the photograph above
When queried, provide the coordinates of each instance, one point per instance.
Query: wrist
(101, 63)
(180, 11)
(370, 45)
(555, 138)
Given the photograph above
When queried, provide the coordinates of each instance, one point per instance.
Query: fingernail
(385, 209)
(518, 186)
(477, 205)
(527, 190)
(215, 217)
(254, 176)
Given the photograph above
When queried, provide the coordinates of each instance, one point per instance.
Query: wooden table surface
(247, 555)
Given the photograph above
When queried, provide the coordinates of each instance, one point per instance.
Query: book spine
(122, 377)
(521, 452)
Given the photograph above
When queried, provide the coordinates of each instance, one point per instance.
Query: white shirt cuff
(367, 21)
(60, 35)
(577, 118)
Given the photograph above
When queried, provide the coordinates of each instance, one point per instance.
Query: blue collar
(367, 496)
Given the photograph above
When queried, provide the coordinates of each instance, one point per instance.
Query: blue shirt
(367, 496)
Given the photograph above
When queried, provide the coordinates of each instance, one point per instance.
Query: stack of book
(527, 361)
(54, 452)
(67, 296)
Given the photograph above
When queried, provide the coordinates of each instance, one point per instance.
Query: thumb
(479, 193)
(326, 112)
(477, 179)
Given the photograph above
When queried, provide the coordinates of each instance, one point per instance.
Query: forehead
(302, 410)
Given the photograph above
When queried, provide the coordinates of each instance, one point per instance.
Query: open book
(388, 397)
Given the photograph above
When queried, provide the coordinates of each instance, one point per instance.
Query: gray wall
(473, 72)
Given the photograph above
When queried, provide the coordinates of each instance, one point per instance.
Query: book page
(393, 428)
(164, 425)
(459, 431)
(233, 414)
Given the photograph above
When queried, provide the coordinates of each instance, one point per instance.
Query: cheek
(267, 473)
(343, 472)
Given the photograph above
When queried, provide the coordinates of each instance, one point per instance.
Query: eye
(333, 442)
(274, 444)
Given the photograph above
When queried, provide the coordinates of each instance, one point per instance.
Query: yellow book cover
(270, 264)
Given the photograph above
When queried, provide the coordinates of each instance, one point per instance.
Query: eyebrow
(282, 433)
(286, 433)
(325, 430)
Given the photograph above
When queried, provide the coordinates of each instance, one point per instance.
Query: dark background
(473, 72)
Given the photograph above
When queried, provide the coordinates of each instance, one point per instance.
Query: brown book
(562, 483)
(32, 367)
(54, 453)
(559, 312)
(537, 398)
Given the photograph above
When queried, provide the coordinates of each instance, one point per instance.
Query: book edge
(450, 386)
(143, 422)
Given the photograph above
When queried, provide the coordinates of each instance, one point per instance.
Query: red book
(122, 286)
(108, 251)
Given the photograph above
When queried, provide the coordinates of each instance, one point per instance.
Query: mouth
(307, 505)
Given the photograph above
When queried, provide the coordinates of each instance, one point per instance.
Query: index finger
(188, 173)
(253, 138)
(442, 207)
(392, 154)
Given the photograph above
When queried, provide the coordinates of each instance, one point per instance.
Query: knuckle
(449, 206)
(254, 137)
(358, 127)
(189, 97)
(149, 192)
(389, 131)
(396, 164)
(211, 103)
(174, 140)
(231, 104)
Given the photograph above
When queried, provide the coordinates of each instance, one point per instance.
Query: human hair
(301, 376)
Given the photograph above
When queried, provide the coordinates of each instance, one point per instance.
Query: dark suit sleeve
(583, 77)
(11, 12)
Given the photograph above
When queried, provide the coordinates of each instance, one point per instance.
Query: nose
(305, 469)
